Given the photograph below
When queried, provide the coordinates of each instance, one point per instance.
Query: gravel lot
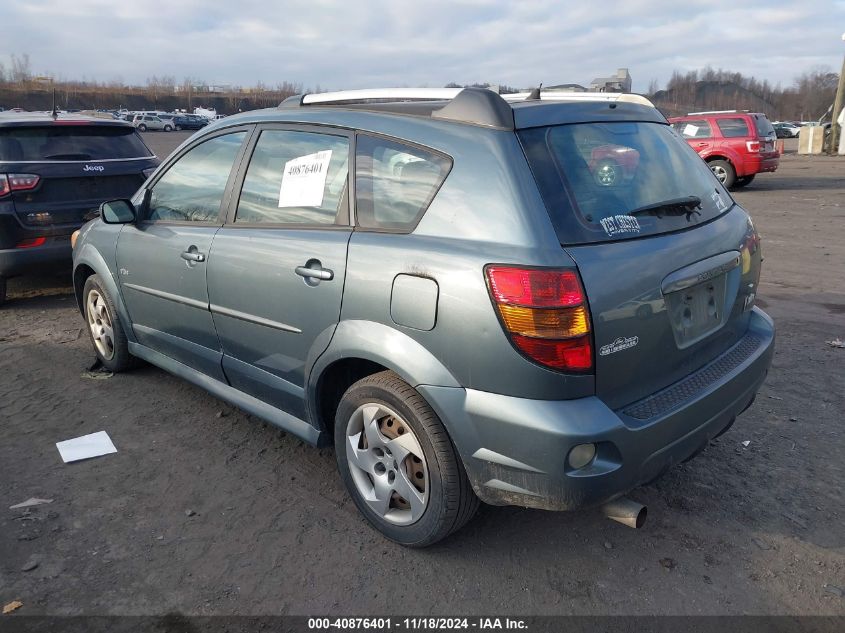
(204, 510)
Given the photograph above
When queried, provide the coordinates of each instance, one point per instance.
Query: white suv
(146, 122)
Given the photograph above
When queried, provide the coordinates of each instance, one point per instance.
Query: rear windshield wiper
(676, 206)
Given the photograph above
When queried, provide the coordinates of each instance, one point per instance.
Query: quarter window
(296, 178)
(191, 190)
(395, 183)
(733, 127)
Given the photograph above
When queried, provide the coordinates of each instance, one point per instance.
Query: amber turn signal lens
(555, 323)
(73, 238)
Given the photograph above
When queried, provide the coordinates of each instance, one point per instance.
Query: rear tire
(105, 330)
(398, 464)
(724, 171)
(742, 181)
(178, 128)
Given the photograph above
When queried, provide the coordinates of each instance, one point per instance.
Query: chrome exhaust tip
(626, 511)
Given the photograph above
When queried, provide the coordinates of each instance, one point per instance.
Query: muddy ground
(204, 510)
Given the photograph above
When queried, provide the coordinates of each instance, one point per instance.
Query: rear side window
(395, 183)
(698, 128)
(71, 142)
(296, 178)
(733, 127)
(620, 180)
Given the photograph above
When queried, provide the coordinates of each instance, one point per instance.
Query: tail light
(753, 146)
(18, 182)
(31, 242)
(544, 312)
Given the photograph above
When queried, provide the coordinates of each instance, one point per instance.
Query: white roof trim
(398, 94)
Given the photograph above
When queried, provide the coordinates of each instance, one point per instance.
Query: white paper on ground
(304, 179)
(92, 445)
(32, 501)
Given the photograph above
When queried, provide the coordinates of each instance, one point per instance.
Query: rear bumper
(760, 163)
(54, 253)
(515, 449)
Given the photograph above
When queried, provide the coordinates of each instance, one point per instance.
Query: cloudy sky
(377, 43)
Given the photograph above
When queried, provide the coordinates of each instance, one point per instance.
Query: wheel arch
(359, 349)
(90, 262)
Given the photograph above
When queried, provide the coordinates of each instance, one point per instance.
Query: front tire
(105, 330)
(142, 128)
(178, 128)
(398, 464)
(167, 128)
(724, 171)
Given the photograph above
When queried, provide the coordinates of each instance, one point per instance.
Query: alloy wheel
(100, 322)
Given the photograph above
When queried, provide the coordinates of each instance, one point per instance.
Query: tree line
(807, 99)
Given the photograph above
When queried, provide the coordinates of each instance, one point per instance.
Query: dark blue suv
(54, 173)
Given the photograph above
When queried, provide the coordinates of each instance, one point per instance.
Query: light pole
(837, 108)
(53, 86)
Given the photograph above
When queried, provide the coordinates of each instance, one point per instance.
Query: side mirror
(117, 212)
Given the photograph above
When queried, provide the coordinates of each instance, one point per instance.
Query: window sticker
(620, 224)
(690, 130)
(304, 180)
(717, 200)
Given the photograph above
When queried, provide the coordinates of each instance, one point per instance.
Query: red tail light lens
(753, 146)
(17, 182)
(23, 182)
(32, 242)
(545, 314)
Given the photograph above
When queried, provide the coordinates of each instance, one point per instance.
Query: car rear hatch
(668, 261)
(766, 135)
(65, 169)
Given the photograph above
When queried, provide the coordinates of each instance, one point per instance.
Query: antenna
(535, 94)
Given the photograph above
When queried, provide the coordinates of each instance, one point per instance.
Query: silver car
(145, 122)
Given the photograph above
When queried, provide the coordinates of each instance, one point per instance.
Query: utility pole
(835, 129)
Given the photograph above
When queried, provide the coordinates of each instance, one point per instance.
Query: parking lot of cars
(211, 511)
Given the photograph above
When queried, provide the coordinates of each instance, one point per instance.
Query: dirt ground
(204, 510)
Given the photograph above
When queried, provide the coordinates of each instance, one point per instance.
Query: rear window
(734, 127)
(70, 142)
(764, 126)
(597, 178)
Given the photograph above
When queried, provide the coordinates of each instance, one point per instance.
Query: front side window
(295, 178)
(395, 183)
(699, 128)
(733, 127)
(192, 189)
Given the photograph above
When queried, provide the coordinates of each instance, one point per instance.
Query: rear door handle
(323, 274)
(193, 256)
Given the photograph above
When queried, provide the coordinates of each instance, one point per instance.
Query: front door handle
(323, 274)
(193, 256)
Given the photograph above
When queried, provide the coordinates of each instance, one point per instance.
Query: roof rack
(716, 112)
(552, 95)
(476, 106)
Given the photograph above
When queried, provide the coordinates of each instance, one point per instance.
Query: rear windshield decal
(620, 224)
(618, 345)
